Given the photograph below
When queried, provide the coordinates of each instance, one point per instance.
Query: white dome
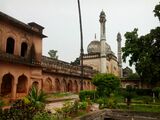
(94, 47)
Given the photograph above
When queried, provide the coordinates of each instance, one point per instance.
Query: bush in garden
(143, 92)
(83, 105)
(128, 94)
(156, 90)
(68, 109)
(147, 99)
(36, 98)
(111, 102)
(44, 116)
(19, 111)
(101, 102)
(26, 108)
(106, 84)
(84, 95)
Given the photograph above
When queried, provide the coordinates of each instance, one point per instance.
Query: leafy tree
(133, 76)
(144, 52)
(106, 84)
(53, 54)
(76, 62)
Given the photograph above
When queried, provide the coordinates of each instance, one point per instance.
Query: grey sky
(61, 22)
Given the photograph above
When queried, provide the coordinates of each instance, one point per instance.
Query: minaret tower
(102, 21)
(119, 39)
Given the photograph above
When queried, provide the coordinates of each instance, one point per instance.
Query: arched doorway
(35, 84)
(57, 85)
(88, 86)
(84, 85)
(10, 45)
(69, 86)
(6, 86)
(48, 85)
(22, 84)
(24, 47)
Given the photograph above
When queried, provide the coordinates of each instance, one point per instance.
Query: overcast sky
(61, 22)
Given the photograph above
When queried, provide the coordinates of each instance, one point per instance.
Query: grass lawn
(59, 95)
(141, 107)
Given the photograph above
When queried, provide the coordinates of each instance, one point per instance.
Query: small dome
(94, 47)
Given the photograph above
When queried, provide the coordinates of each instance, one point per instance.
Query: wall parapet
(18, 59)
(58, 66)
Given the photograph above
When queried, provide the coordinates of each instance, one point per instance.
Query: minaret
(119, 39)
(102, 20)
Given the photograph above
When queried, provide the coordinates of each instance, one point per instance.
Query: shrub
(111, 102)
(147, 99)
(84, 95)
(100, 101)
(68, 109)
(1, 104)
(19, 111)
(44, 116)
(106, 84)
(156, 90)
(83, 105)
(144, 92)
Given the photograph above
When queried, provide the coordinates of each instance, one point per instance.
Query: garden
(108, 95)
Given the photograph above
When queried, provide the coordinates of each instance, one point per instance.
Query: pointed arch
(22, 84)
(10, 45)
(6, 86)
(48, 85)
(24, 47)
(35, 84)
(84, 85)
(88, 85)
(70, 86)
(64, 85)
(57, 85)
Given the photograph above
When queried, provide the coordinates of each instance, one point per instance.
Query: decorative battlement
(49, 65)
(61, 67)
(91, 56)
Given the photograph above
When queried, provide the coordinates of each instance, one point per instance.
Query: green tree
(133, 76)
(53, 54)
(76, 62)
(144, 52)
(106, 84)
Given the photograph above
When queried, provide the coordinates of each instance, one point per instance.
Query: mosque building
(100, 56)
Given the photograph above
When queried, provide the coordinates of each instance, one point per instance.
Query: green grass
(141, 107)
(59, 95)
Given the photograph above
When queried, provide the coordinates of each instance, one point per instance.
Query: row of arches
(9, 84)
(15, 87)
(10, 47)
(64, 85)
(12, 88)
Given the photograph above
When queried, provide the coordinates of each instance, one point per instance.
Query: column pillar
(14, 88)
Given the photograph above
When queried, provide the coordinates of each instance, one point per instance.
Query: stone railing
(17, 59)
(49, 65)
(58, 66)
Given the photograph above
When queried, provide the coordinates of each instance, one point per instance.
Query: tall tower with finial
(102, 20)
(119, 39)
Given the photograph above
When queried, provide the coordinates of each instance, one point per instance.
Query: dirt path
(58, 103)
